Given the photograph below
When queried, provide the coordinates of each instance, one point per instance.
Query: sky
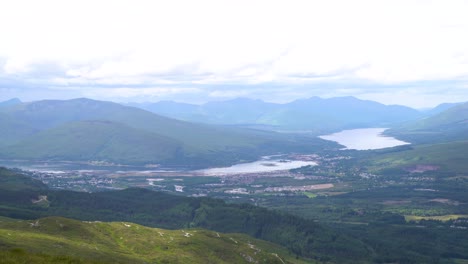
(410, 52)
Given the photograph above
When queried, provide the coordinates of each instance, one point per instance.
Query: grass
(310, 195)
(121, 242)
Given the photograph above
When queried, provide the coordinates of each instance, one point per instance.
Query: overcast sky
(396, 52)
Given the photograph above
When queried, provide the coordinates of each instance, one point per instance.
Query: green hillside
(13, 130)
(14, 181)
(50, 113)
(446, 157)
(446, 126)
(84, 129)
(378, 242)
(156, 209)
(95, 140)
(121, 242)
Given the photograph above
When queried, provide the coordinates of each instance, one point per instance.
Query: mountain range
(87, 130)
(84, 130)
(316, 115)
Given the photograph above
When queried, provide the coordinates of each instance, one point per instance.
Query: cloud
(272, 50)
(146, 92)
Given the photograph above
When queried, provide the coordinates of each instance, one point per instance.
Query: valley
(358, 187)
(243, 132)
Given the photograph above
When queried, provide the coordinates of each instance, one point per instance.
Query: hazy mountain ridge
(440, 108)
(95, 140)
(314, 114)
(10, 102)
(48, 130)
(445, 126)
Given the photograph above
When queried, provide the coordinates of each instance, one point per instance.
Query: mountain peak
(12, 101)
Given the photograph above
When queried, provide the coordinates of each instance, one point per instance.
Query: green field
(443, 218)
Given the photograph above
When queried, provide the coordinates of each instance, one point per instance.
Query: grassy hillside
(83, 129)
(13, 130)
(96, 140)
(447, 157)
(387, 240)
(14, 181)
(120, 242)
(302, 237)
(51, 113)
(448, 125)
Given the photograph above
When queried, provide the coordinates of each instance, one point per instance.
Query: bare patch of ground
(420, 168)
(396, 202)
(445, 201)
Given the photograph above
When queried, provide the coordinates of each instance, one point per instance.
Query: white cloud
(252, 42)
(137, 92)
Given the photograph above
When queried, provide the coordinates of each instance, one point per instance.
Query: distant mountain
(338, 113)
(440, 108)
(168, 108)
(236, 111)
(84, 129)
(96, 140)
(446, 126)
(13, 101)
(314, 114)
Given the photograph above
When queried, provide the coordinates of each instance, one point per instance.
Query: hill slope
(130, 135)
(334, 243)
(121, 242)
(96, 140)
(302, 237)
(447, 157)
(448, 125)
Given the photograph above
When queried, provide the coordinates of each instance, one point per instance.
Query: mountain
(314, 114)
(95, 140)
(440, 108)
(71, 241)
(236, 111)
(324, 115)
(7, 103)
(56, 130)
(446, 126)
(168, 108)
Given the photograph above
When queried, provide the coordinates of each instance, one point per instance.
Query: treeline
(303, 237)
